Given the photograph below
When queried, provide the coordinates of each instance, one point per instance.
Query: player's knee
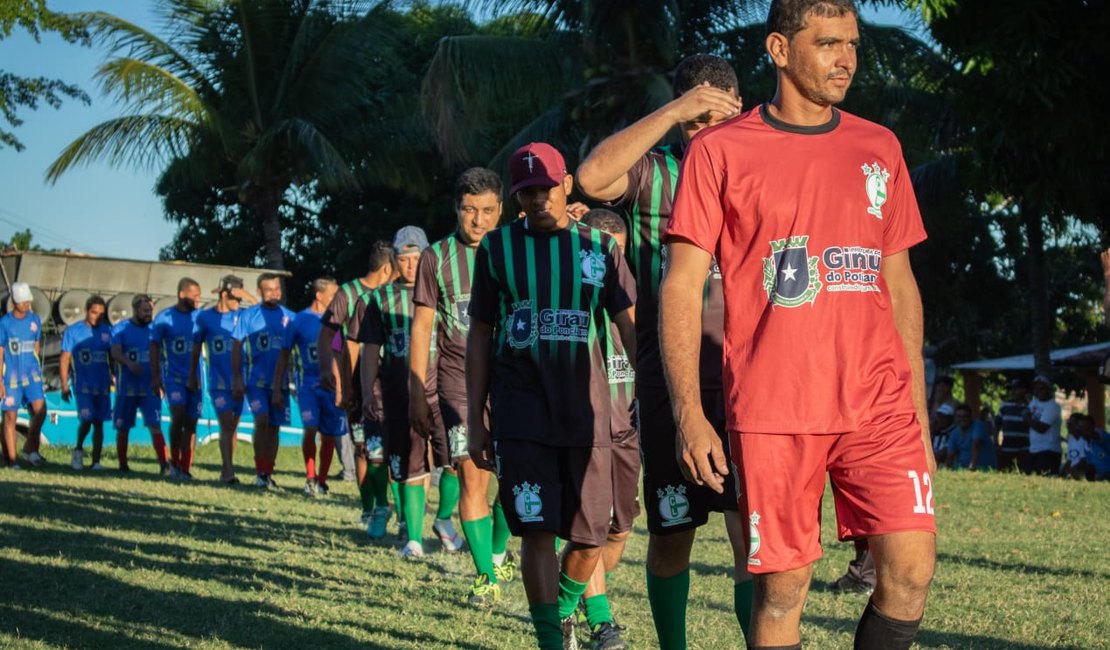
(908, 577)
(669, 555)
(617, 538)
(781, 595)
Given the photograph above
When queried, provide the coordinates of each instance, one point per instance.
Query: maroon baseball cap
(537, 163)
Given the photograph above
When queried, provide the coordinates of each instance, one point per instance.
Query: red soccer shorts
(881, 484)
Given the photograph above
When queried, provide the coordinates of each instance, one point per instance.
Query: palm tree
(269, 94)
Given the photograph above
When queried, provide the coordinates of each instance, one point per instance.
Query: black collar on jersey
(776, 123)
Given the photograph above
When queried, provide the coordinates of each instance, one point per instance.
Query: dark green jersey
(387, 322)
(651, 187)
(547, 296)
(443, 284)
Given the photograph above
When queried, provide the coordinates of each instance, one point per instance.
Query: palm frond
(138, 141)
(141, 85)
(303, 150)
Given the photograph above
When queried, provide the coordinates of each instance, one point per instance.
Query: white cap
(21, 292)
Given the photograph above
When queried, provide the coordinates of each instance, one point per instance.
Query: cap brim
(533, 182)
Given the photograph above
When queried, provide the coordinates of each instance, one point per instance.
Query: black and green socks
(479, 534)
(545, 621)
(597, 610)
(667, 597)
(876, 631)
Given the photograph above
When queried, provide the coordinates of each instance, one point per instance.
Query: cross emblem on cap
(529, 158)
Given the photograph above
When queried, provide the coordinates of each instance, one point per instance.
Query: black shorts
(673, 504)
(626, 480)
(453, 412)
(567, 491)
(407, 451)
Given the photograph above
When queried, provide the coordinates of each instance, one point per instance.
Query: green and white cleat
(483, 593)
(445, 530)
(412, 550)
(570, 642)
(506, 571)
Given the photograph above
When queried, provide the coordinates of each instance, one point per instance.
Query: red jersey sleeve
(902, 226)
(698, 214)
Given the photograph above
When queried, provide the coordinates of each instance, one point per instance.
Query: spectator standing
(1075, 463)
(1044, 428)
(1013, 429)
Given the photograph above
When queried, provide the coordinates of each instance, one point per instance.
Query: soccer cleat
(364, 518)
(14, 466)
(483, 593)
(506, 571)
(309, 488)
(97, 467)
(270, 482)
(35, 458)
(175, 474)
(375, 527)
(165, 469)
(184, 476)
(78, 461)
(607, 636)
(322, 489)
(412, 550)
(402, 530)
(451, 539)
(850, 585)
(262, 481)
(124, 468)
(570, 642)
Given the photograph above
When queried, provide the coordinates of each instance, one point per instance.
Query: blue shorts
(259, 401)
(126, 405)
(318, 410)
(22, 396)
(224, 402)
(178, 395)
(94, 408)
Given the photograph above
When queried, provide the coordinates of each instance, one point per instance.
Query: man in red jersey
(810, 214)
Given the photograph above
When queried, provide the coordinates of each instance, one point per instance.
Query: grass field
(100, 561)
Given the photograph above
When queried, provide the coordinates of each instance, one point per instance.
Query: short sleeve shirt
(387, 322)
(134, 341)
(216, 330)
(19, 336)
(546, 296)
(800, 220)
(174, 330)
(262, 330)
(90, 347)
(302, 339)
(648, 203)
(1047, 412)
(443, 284)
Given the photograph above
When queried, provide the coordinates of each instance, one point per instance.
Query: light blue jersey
(19, 336)
(174, 330)
(135, 342)
(262, 331)
(302, 338)
(90, 347)
(217, 331)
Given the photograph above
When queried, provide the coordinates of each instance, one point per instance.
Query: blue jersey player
(134, 389)
(215, 330)
(171, 358)
(319, 413)
(258, 340)
(20, 336)
(86, 346)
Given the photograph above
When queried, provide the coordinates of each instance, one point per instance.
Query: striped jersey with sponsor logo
(387, 323)
(546, 295)
(443, 284)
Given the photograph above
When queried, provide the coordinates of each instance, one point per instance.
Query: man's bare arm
(368, 371)
(604, 173)
(325, 355)
(905, 304)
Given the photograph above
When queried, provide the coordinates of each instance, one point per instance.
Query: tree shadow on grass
(1027, 569)
(936, 638)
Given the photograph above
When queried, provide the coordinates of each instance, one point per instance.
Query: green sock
(742, 594)
(414, 510)
(448, 495)
(500, 530)
(478, 533)
(667, 597)
(597, 610)
(395, 488)
(366, 491)
(558, 545)
(545, 619)
(570, 590)
(380, 484)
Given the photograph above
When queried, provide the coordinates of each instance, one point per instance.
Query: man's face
(231, 301)
(477, 215)
(822, 58)
(143, 312)
(94, 314)
(271, 292)
(326, 295)
(1042, 391)
(712, 118)
(406, 264)
(21, 308)
(963, 418)
(188, 299)
(546, 207)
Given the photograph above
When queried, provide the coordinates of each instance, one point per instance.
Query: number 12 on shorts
(924, 505)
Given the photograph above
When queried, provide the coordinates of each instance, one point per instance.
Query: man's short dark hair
(605, 221)
(95, 300)
(477, 180)
(139, 299)
(381, 253)
(320, 285)
(185, 283)
(963, 407)
(788, 17)
(266, 277)
(697, 69)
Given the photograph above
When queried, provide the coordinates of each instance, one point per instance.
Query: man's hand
(480, 445)
(701, 456)
(156, 387)
(420, 415)
(577, 210)
(277, 397)
(704, 103)
(66, 394)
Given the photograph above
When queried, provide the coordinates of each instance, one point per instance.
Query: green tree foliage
(35, 18)
(21, 241)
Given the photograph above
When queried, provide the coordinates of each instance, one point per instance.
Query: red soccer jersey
(799, 219)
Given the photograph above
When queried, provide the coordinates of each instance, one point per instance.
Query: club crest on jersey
(457, 438)
(522, 325)
(674, 507)
(790, 275)
(527, 502)
(395, 466)
(592, 264)
(34, 327)
(753, 528)
(875, 186)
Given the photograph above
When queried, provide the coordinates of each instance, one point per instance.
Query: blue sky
(105, 211)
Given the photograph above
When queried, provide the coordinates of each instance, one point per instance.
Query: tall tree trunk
(266, 203)
(1039, 314)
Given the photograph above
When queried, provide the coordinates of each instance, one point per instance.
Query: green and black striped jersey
(443, 284)
(547, 296)
(387, 323)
